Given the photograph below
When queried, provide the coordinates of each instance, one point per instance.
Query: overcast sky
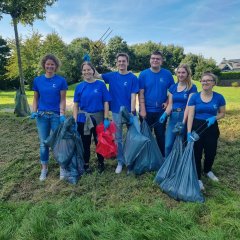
(207, 27)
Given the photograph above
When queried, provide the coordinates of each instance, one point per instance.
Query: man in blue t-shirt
(154, 83)
(123, 87)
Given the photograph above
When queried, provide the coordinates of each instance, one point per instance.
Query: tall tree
(114, 46)
(24, 11)
(4, 55)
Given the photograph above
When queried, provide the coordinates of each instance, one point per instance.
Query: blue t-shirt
(121, 86)
(205, 110)
(180, 98)
(49, 91)
(155, 87)
(91, 96)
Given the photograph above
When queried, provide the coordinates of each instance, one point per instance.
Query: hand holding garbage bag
(163, 117)
(211, 121)
(106, 123)
(33, 115)
(62, 118)
(190, 137)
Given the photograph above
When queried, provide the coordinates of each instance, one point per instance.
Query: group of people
(159, 98)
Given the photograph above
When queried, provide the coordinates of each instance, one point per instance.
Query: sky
(207, 27)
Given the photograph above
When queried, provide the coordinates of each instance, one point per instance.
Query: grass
(111, 206)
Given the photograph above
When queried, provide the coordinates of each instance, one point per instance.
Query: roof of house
(231, 64)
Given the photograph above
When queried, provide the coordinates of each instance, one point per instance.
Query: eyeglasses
(206, 81)
(157, 59)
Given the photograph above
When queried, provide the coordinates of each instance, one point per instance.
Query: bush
(229, 75)
(235, 84)
(6, 84)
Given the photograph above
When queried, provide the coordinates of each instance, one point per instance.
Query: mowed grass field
(111, 206)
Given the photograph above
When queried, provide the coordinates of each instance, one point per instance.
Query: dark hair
(50, 57)
(89, 64)
(123, 55)
(213, 76)
(157, 52)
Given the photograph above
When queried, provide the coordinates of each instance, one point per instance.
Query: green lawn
(111, 206)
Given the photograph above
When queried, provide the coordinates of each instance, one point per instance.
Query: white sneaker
(201, 185)
(63, 173)
(212, 176)
(43, 174)
(118, 169)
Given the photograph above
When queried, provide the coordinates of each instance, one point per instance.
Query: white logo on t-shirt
(96, 90)
(161, 79)
(125, 84)
(215, 106)
(185, 95)
(54, 85)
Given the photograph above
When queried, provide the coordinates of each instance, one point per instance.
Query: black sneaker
(87, 169)
(101, 168)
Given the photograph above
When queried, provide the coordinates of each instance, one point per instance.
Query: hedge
(229, 75)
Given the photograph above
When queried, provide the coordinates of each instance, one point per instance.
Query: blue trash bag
(183, 185)
(151, 158)
(135, 141)
(169, 166)
(67, 148)
(134, 144)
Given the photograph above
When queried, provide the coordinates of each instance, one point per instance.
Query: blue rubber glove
(131, 120)
(33, 115)
(163, 117)
(211, 121)
(190, 137)
(106, 123)
(62, 118)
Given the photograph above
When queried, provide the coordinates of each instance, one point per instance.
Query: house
(232, 65)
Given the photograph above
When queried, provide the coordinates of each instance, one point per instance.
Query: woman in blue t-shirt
(179, 94)
(49, 104)
(91, 107)
(205, 108)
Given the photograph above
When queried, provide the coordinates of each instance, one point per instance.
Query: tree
(75, 52)
(114, 46)
(4, 55)
(204, 65)
(24, 11)
(142, 52)
(31, 49)
(191, 60)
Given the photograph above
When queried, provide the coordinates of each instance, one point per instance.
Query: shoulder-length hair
(188, 80)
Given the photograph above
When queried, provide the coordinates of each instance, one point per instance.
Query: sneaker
(101, 168)
(118, 169)
(63, 173)
(43, 174)
(212, 176)
(87, 169)
(201, 185)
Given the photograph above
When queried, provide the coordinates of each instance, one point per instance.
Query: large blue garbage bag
(133, 146)
(169, 166)
(151, 158)
(183, 185)
(68, 149)
(134, 142)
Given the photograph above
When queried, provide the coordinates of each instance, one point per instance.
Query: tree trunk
(22, 89)
(21, 104)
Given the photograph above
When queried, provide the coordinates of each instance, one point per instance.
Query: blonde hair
(188, 80)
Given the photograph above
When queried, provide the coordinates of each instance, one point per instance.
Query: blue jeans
(152, 120)
(46, 123)
(170, 136)
(119, 140)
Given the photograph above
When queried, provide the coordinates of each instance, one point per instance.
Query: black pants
(86, 139)
(207, 144)
(152, 119)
